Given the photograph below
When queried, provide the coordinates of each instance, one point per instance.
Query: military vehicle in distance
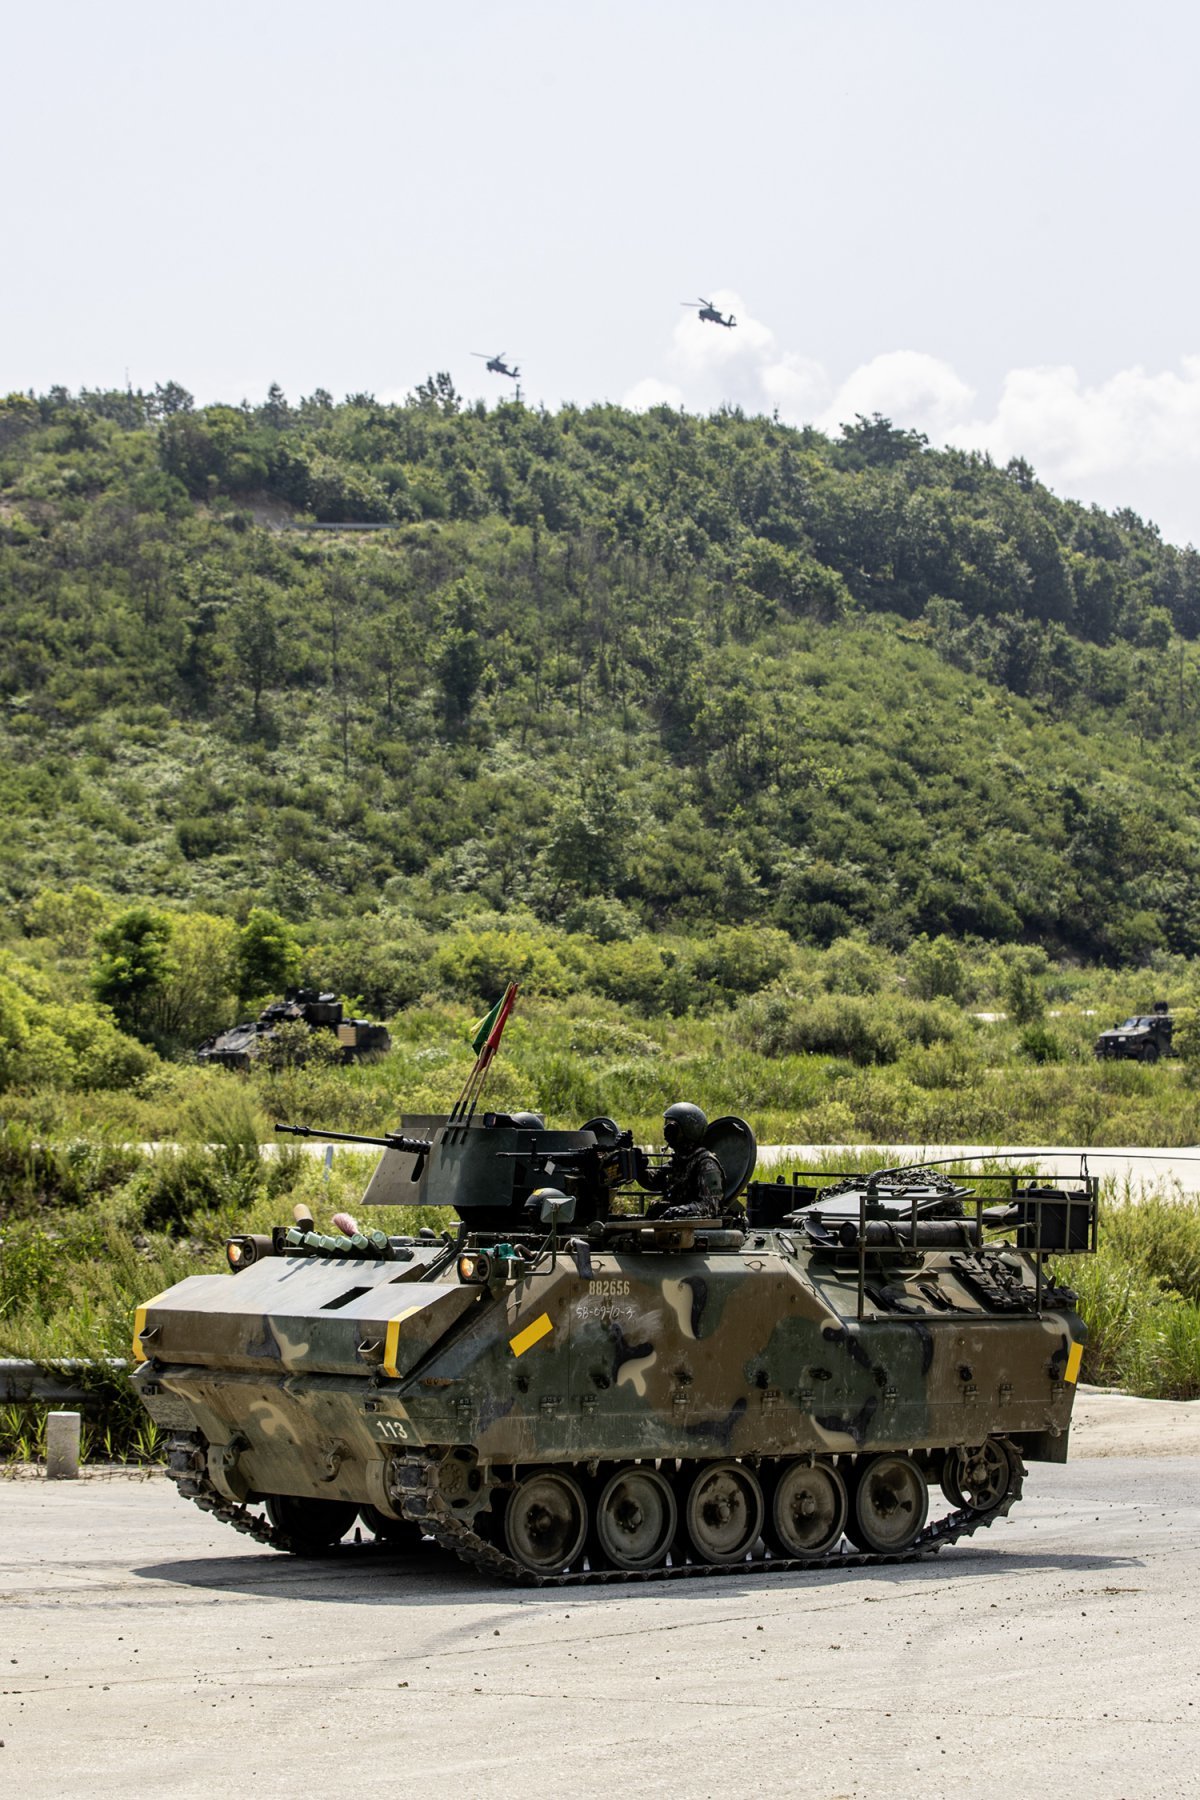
(1143, 1038)
(563, 1389)
(237, 1048)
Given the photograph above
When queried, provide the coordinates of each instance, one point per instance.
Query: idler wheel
(977, 1479)
(890, 1505)
(312, 1525)
(724, 1512)
(809, 1509)
(545, 1521)
(400, 1534)
(635, 1519)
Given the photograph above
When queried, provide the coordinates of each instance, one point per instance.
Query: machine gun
(611, 1161)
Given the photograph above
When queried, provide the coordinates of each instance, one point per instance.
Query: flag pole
(464, 1107)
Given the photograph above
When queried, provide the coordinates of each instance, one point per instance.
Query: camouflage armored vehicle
(1143, 1038)
(238, 1047)
(564, 1388)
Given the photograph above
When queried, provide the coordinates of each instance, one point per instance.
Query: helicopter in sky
(497, 365)
(707, 310)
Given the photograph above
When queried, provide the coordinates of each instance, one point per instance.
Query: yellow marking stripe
(532, 1334)
(139, 1325)
(1073, 1362)
(391, 1342)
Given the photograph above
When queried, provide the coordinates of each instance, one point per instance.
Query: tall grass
(1140, 1299)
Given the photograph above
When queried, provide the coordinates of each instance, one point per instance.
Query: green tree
(458, 658)
(134, 962)
(195, 997)
(1022, 996)
(266, 955)
(589, 831)
(70, 920)
(1185, 1036)
(169, 399)
(877, 443)
(256, 643)
(935, 969)
(14, 1030)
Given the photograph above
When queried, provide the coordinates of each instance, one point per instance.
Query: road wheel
(724, 1512)
(311, 1526)
(808, 1509)
(545, 1521)
(977, 1479)
(890, 1504)
(635, 1519)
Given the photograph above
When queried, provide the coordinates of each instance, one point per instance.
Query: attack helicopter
(707, 310)
(496, 364)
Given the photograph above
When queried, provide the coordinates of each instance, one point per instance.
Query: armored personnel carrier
(238, 1047)
(562, 1388)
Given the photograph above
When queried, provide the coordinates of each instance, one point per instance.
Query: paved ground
(145, 1650)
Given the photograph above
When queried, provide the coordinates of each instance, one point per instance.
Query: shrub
(852, 966)
(14, 1030)
(1038, 1045)
(865, 1031)
(478, 965)
(634, 973)
(608, 921)
(387, 960)
(740, 960)
(35, 1174)
(935, 969)
(80, 1047)
(68, 920)
(294, 1044)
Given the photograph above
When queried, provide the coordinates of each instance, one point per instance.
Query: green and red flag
(488, 1029)
(485, 1042)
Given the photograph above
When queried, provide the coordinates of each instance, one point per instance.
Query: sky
(974, 219)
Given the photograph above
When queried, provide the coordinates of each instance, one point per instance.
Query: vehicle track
(415, 1479)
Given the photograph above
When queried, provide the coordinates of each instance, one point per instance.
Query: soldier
(693, 1182)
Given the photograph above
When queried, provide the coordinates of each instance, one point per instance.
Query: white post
(62, 1446)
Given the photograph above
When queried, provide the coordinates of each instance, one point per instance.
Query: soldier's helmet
(684, 1125)
(528, 1121)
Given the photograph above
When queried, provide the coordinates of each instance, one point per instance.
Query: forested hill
(617, 670)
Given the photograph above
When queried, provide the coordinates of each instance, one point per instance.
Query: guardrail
(58, 1382)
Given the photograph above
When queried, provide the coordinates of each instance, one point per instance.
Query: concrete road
(145, 1650)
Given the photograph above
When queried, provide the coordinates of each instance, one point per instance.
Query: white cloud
(795, 385)
(1132, 439)
(652, 392)
(917, 391)
(714, 365)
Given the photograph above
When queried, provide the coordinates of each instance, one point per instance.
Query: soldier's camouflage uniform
(692, 1186)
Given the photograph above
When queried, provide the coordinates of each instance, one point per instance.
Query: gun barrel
(393, 1140)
